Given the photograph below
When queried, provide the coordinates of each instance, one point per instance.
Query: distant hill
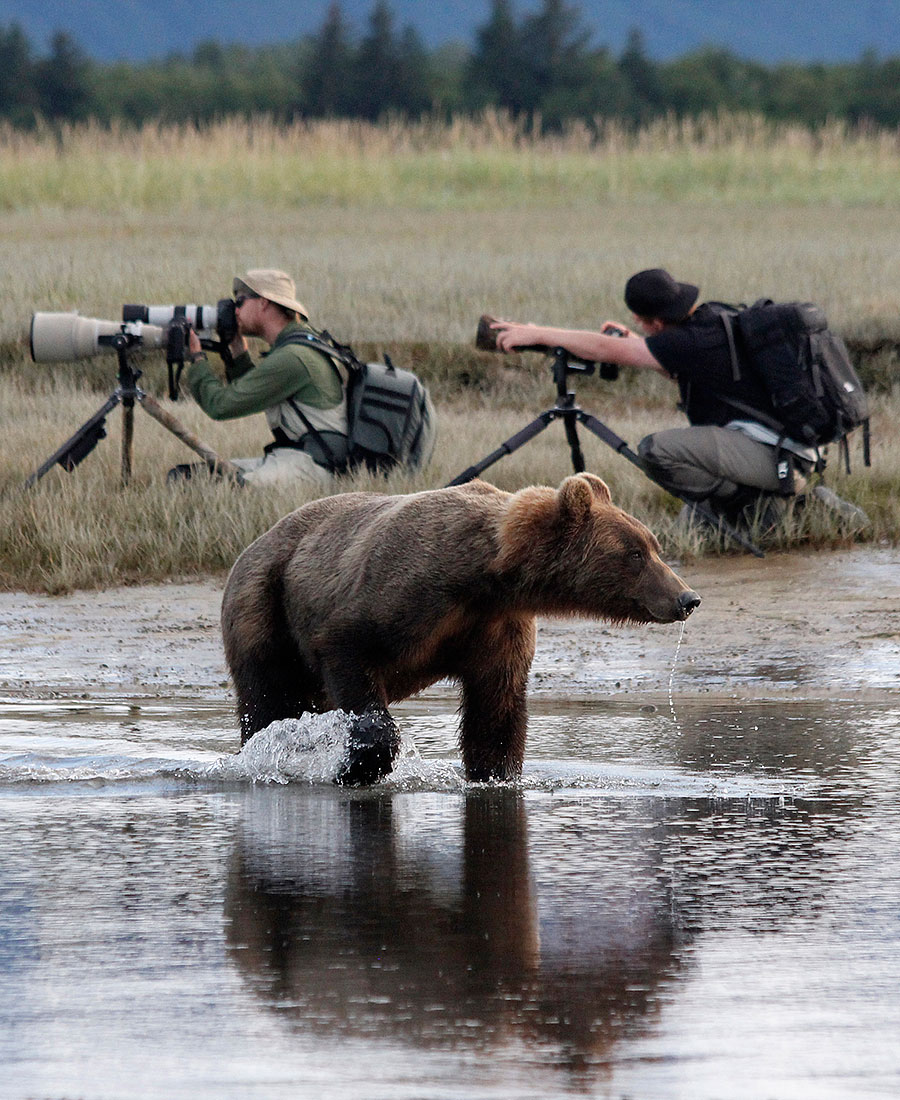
(764, 30)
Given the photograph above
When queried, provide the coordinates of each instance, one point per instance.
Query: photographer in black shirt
(724, 458)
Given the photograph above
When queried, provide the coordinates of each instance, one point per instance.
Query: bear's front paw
(373, 742)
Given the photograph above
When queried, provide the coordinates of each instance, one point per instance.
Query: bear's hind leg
(278, 687)
(271, 679)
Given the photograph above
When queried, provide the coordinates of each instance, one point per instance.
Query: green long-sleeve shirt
(286, 370)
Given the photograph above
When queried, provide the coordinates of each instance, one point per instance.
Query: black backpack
(390, 418)
(804, 367)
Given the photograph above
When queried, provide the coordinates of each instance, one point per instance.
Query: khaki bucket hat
(275, 286)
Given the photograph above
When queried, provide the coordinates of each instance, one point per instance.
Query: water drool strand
(672, 678)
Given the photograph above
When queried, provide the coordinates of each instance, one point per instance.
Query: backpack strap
(335, 465)
(732, 347)
(331, 351)
(785, 460)
(327, 345)
(754, 413)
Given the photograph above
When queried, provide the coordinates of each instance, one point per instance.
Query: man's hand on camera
(194, 345)
(511, 335)
(238, 345)
(195, 349)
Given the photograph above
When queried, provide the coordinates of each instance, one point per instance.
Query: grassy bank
(399, 238)
(84, 530)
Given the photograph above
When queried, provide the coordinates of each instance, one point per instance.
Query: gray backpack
(390, 418)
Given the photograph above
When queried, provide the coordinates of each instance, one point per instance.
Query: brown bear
(359, 600)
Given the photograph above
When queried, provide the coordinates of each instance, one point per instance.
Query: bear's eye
(635, 559)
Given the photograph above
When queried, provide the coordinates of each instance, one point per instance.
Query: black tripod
(571, 415)
(78, 446)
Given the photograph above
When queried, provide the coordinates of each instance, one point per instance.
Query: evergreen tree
(63, 81)
(326, 82)
(495, 71)
(375, 65)
(390, 74)
(413, 78)
(18, 94)
(556, 59)
(643, 79)
(874, 93)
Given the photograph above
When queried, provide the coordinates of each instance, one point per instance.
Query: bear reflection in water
(360, 600)
(428, 920)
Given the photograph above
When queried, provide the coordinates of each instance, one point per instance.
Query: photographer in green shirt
(298, 388)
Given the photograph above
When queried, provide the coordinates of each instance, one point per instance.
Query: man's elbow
(215, 411)
(223, 414)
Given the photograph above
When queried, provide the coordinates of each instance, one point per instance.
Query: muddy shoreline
(799, 626)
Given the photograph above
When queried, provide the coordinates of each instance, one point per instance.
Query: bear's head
(572, 551)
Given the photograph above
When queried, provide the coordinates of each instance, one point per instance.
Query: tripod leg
(127, 439)
(79, 445)
(570, 422)
(619, 445)
(512, 444)
(170, 423)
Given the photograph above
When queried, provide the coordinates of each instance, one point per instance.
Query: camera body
(610, 371)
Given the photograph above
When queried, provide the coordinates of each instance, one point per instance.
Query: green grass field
(399, 238)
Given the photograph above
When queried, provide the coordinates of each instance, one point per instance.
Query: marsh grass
(489, 162)
(399, 238)
(83, 529)
(426, 276)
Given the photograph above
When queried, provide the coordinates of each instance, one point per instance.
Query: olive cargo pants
(703, 462)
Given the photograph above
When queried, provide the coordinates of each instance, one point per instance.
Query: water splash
(307, 749)
(312, 749)
(674, 716)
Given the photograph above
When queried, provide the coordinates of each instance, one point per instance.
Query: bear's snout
(687, 601)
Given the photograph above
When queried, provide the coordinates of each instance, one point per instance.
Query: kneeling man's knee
(645, 447)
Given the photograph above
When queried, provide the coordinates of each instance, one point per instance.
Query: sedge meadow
(399, 237)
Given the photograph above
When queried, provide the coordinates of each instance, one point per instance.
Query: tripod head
(122, 343)
(175, 333)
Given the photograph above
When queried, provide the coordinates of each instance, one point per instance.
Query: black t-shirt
(695, 352)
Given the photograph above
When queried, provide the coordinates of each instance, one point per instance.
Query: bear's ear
(579, 493)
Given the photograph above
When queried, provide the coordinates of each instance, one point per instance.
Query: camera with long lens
(64, 337)
(486, 340)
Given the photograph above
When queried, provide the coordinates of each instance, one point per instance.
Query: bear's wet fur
(359, 600)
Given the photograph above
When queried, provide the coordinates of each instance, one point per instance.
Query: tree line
(540, 67)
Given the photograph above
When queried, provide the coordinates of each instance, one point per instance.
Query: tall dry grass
(82, 529)
(382, 275)
(410, 231)
(490, 162)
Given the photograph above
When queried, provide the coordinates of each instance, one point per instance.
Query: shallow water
(698, 906)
